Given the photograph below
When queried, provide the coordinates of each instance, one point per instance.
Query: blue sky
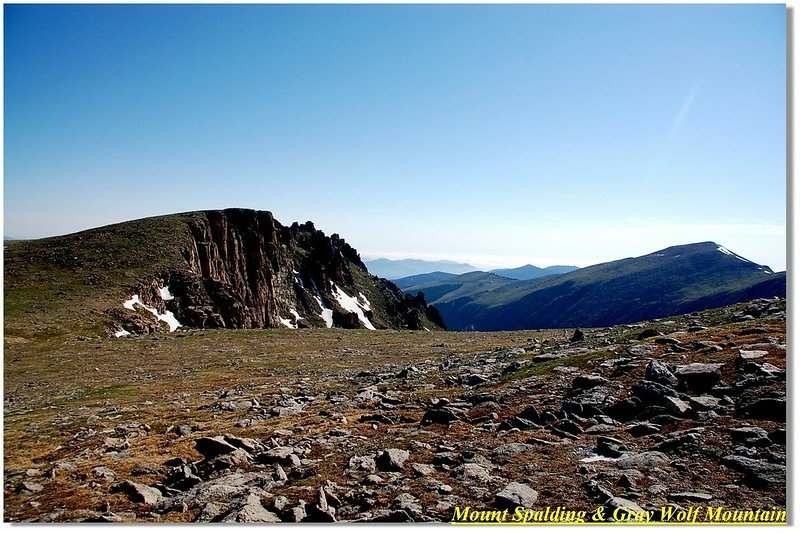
(497, 135)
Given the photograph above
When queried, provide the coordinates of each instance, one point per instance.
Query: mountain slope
(532, 272)
(676, 280)
(235, 268)
(394, 269)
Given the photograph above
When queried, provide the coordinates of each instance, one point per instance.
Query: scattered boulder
(472, 472)
(362, 463)
(585, 381)
(660, 373)
(211, 447)
(699, 377)
(621, 503)
(137, 492)
(391, 460)
(757, 472)
(691, 497)
(514, 495)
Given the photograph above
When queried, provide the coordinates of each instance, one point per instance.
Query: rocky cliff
(243, 269)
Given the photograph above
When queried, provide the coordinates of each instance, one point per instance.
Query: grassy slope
(63, 284)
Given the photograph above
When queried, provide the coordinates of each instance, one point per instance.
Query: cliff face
(243, 269)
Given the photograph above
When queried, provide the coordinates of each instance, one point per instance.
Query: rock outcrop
(243, 269)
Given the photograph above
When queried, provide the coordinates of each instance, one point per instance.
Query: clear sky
(496, 135)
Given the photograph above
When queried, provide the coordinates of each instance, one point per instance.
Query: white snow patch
(724, 250)
(366, 306)
(288, 322)
(326, 314)
(596, 458)
(165, 294)
(121, 333)
(128, 304)
(353, 305)
(167, 316)
(728, 252)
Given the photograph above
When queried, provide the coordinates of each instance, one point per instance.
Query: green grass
(581, 361)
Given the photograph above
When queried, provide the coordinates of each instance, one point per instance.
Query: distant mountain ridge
(393, 269)
(532, 272)
(404, 269)
(676, 280)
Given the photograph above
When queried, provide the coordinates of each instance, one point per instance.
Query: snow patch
(165, 294)
(167, 316)
(366, 306)
(728, 252)
(326, 314)
(596, 458)
(288, 322)
(121, 333)
(353, 305)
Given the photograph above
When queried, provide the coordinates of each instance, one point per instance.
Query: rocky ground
(293, 426)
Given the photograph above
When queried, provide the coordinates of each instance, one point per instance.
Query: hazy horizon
(496, 135)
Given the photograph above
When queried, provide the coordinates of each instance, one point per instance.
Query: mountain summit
(676, 280)
(235, 268)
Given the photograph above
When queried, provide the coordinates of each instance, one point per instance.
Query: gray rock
(610, 447)
(362, 463)
(660, 373)
(104, 473)
(588, 381)
(373, 480)
(530, 413)
(211, 447)
(652, 393)
(473, 380)
(516, 494)
(644, 429)
(647, 333)
(278, 454)
(750, 355)
(677, 407)
(600, 428)
(298, 513)
(692, 497)
(472, 472)
(391, 460)
(251, 512)
(641, 350)
(745, 433)
(137, 492)
(441, 416)
(422, 470)
(704, 403)
(699, 377)
(769, 408)
(29, 487)
(643, 460)
(679, 442)
(252, 446)
(509, 450)
(621, 503)
(757, 472)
